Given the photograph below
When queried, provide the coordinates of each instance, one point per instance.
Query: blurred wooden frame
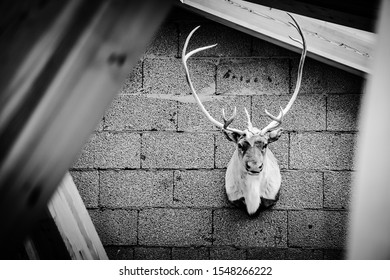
(60, 68)
(74, 224)
(369, 225)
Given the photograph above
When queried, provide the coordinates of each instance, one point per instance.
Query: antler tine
(228, 121)
(278, 120)
(250, 126)
(185, 57)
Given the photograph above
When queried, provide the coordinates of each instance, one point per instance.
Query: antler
(185, 57)
(277, 121)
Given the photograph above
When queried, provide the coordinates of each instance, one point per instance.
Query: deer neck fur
(239, 184)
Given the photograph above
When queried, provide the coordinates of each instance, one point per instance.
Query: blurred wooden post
(59, 71)
(369, 230)
(74, 224)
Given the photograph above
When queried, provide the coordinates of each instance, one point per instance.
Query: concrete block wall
(152, 174)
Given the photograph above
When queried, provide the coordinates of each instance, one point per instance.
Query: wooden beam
(342, 47)
(356, 14)
(74, 224)
(50, 112)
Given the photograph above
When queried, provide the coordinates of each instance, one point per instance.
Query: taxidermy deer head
(253, 175)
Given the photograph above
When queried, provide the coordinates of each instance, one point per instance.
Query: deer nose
(253, 167)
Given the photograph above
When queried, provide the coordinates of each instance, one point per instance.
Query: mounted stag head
(253, 174)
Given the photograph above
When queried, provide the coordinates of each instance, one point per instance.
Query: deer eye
(242, 146)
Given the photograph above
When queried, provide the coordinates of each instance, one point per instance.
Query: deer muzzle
(253, 168)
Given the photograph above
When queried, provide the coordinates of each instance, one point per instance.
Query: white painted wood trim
(343, 47)
(74, 223)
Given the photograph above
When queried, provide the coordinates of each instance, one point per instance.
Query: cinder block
(231, 43)
(119, 252)
(131, 112)
(227, 253)
(284, 254)
(88, 156)
(307, 113)
(152, 253)
(175, 227)
(133, 82)
(115, 227)
(224, 150)
(303, 254)
(321, 151)
(136, 188)
(280, 150)
(167, 76)
(248, 76)
(321, 78)
(314, 79)
(343, 112)
(190, 253)
(200, 188)
(110, 150)
(300, 189)
(317, 229)
(233, 227)
(261, 48)
(191, 118)
(177, 150)
(340, 81)
(164, 43)
(334, 254)
(87, 183)
(266, 254)
(337, 189)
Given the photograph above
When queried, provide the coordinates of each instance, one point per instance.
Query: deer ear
(232, 136)
(274, 135)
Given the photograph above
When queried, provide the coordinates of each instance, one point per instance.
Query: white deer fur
(240, 185)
